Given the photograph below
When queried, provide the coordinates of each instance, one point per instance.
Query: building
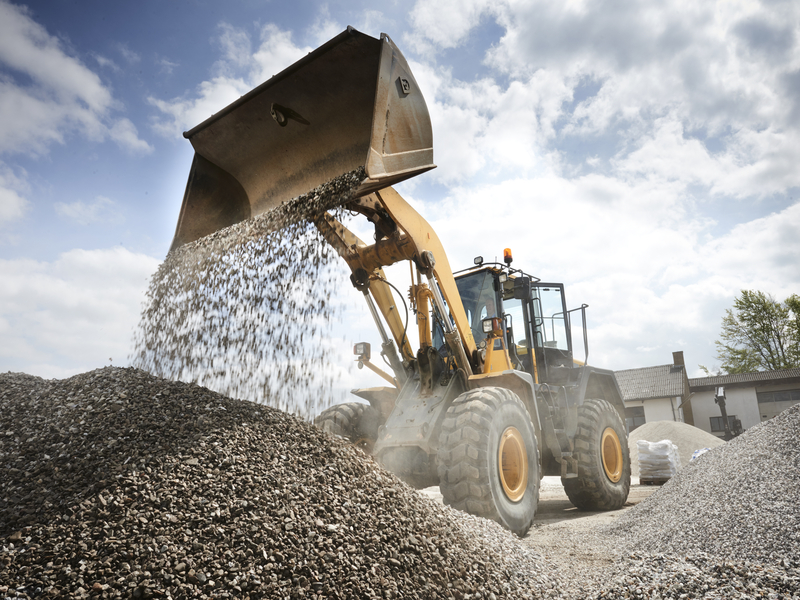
(749, 397)
(658, 393)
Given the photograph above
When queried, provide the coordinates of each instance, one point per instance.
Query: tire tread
(463, 464)
(588, 491)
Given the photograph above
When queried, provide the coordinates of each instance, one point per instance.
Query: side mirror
(522, 288)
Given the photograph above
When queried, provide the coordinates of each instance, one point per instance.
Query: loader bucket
(350, 103)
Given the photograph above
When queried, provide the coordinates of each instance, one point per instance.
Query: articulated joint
(360, 279)
(385, 252)
(426, 263)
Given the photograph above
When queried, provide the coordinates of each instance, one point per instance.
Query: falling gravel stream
(247, 310)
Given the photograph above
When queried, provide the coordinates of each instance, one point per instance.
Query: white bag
(658, 461)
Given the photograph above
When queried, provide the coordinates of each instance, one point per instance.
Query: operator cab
(536, 323)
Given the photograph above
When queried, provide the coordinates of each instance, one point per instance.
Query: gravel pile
(725, 527)
(700, 576)
(739, 501)
(245, 310)
(686, 437)
(116, 483)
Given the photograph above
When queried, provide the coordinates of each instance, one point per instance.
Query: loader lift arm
(403, 234)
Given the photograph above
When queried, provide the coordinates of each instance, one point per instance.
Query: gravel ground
(738, 501)
(593, 564)
(119, 484)
(726, 526)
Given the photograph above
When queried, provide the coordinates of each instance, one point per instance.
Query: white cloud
(760, 254)
(184, 113)
(446, 23)
(239, 70)
(236, 49)
(124, 132)
(73, 314)
(674, 81)
(375, 22)
(12, 205)
(106, 62)
(31, 124)
(275, 52)
(102, 210)
(25, 46)
(129, 55)
(323, 28)
(670, 156)
(13, 202)
(167, 66)
(62, 97)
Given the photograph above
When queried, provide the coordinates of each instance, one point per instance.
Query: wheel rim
(612, 454)
(513, 462)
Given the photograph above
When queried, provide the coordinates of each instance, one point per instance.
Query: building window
(718, 425)
(784, 396)
(634, 417)
(773, 403)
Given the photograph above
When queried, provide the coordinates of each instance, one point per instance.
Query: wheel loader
(492, 399)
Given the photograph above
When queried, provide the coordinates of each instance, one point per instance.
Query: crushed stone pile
(686, 437)
(699, 576)
(739, 501)
(246, 311)
(118, 484)
(725, 527)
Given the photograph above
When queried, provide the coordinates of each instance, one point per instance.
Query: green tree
(760, 333)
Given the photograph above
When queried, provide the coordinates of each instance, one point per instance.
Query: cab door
(551, 328)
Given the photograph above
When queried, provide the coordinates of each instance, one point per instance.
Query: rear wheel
(604, 465)
(353, 421)
(488, 460)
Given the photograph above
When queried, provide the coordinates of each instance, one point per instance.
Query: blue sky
(644, 154)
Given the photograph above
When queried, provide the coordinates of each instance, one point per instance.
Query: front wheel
(488, 460)
(353, 421)
(604, 464)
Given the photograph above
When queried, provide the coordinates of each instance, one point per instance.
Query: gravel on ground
(116, 483)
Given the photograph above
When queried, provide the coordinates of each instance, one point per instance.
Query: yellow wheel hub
(513, 461)
(611, 450)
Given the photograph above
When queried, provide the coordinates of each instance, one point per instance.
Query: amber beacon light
(507, 258)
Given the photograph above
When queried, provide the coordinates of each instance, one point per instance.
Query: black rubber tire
(469, 461)
(352, 421)
(593, 489)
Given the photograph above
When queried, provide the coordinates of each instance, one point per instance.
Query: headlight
(492, 325)
(362, 349)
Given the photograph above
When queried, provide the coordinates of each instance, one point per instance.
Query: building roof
(745, 379)
(663, 381)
